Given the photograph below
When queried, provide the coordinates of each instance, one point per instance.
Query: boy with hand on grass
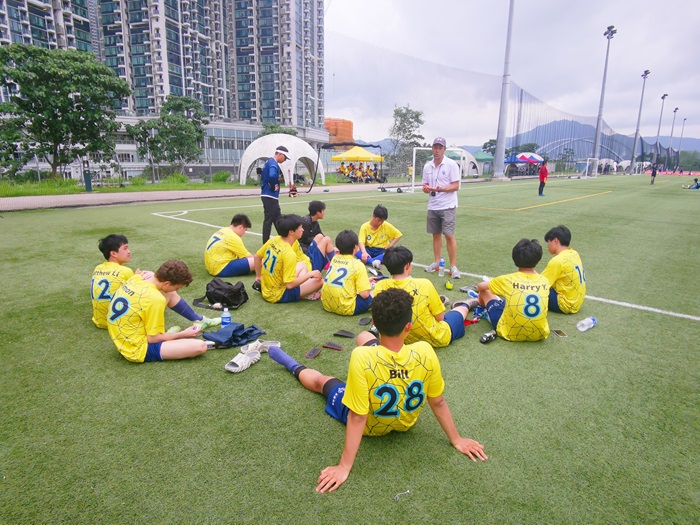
(225, 254)
(109, 276)
(565, 274)
(430, 322)
(284, 272)
(346, 288)
(523, 314)
(376, 236)
(136, 321)
(387, 387)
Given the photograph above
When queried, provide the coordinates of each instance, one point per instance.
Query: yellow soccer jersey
(565, 274)
(426, 305)
(301, 256)
(222, 248)
(137, 311)
(379, 238)
(525, 313)
(279, 261)
(392, 387)
(346, 277)
(106, 280)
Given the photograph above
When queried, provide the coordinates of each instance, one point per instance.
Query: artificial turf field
(598, 427)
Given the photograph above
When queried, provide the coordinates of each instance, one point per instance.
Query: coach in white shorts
(441, 181)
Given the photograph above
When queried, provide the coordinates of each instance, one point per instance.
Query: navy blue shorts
(235, 268)
(495, 310)
(456, 322)
(362, 305)
(291, 296)
(554, 301)
(153, 353)
(334, 400)
(318, 260)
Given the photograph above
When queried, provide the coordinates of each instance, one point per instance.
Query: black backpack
(229, 295)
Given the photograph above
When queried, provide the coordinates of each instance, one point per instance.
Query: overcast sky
(446, 59)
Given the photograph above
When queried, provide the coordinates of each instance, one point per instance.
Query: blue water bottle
(225, 317)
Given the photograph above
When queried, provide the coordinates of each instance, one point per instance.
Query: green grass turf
(598, 427)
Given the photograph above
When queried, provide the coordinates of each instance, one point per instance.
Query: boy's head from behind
(561, 233)
(112, 243)
(286, 224)
(346, 241)
(241, 220)
(527, 253)
(380, 212)
(392, 311)
(316, 207)
(396, 258)
(175, 272)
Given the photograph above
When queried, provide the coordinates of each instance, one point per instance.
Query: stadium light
(680, 144)
(499, 157)
(609, 34)
(670, 141)
(639, 119)
(658, 131)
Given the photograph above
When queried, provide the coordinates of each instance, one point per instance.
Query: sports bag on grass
(229, 295)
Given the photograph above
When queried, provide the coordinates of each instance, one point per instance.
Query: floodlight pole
(499, 157)
(658, 131)
(609, 33)
(680, 144)
(670, 140)
(639, 119)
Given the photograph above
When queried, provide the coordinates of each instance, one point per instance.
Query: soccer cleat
(207, 323)
(445, 300)
(242, 361)
(376, 264)
(256, 286)
(259, 346)
(454, 273)
(468, 288)
(432, 268)
(313, 296)
(470, 303)
(373, 271)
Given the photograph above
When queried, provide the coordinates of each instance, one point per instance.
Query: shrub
(221, 176)
(177, 178)
(138, 181)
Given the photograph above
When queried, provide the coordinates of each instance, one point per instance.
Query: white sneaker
(454, 273)
(470, 303)
(432, 268)
(242, 361)
(376, 264)
(259, 346)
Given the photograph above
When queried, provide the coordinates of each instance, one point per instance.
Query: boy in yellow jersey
(376, 236)
(136, 321)
(430, 322)
(225, 254)
(283, 270)
(387, 387)
(346, 289)
(109, 276)
(564, 272)
(523, 314)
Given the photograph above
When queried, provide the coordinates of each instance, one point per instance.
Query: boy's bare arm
(333, 477)
(469, 447)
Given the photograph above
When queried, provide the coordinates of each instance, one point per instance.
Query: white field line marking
(610, 301)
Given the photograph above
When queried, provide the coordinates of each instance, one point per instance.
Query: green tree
(404, 131)
(272, 127)
(180, 130)
(489, 147)
(148, 146)
(60, 108)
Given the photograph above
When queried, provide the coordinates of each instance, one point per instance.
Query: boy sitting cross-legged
(376, 236)
(346, 289)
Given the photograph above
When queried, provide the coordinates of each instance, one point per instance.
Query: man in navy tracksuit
(270, 190)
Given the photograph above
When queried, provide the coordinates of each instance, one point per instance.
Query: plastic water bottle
(441, 271)
(225, 317)
(586, 324)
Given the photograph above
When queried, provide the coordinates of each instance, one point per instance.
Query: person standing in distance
(270, 190)
(544, 174)
(441, 181)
